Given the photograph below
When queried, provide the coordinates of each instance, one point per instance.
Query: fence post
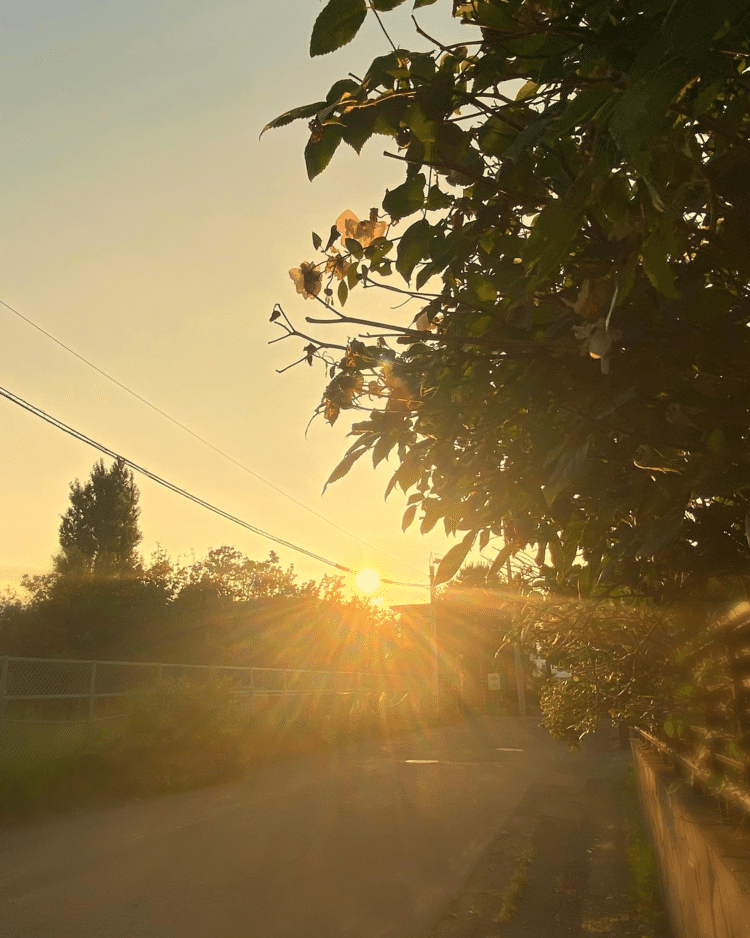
(92, 690)
(3, 682)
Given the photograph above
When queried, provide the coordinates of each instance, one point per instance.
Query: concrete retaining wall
(704, 863)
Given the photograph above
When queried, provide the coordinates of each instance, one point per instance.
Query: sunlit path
(374, 840)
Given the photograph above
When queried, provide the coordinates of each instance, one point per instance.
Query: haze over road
(359, 843)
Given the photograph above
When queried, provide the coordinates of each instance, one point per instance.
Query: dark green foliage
(337, 23)
(99, 531)
(576, 382)
(178, 734)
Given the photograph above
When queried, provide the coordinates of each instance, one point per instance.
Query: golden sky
(147, 227)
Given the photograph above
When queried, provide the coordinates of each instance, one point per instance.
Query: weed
(515, 888)
(642, 863)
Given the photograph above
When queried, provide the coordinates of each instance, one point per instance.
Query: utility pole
(518, 661)
(433, 633)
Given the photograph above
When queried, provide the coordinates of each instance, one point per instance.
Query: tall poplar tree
(99, 531)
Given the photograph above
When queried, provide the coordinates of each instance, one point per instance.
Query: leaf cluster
(571, 230)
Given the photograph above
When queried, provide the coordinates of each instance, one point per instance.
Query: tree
(229, 575)
(99, 531)
(98, 597)
(571, 236)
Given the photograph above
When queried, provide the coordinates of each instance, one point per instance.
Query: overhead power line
(76, 434)
(201, 439)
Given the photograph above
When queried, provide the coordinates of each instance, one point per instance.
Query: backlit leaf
(359, 126)
(344, 466)
(567, 467)
(405, 199)
(554, 230)
(412, 248)
(318, 153)
(452, 561)
(654, 256)
(527, 90)
(297, 113)
(408, 517)
(502, 558)
(337, 23)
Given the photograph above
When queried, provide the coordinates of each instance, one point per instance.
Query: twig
(385, 31)
(435, 42)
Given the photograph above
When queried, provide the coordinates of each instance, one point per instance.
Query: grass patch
(643, 866)
(36, 760)
(515, 889)
(178, 735)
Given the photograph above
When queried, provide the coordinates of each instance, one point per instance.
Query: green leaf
(389, 113)
(452, 561)
(332, 237)
(337, 23)
(410, 471)
(423, 3)
(412, 248)
(567, 467)
(381, 450)
(642, 113)
(383, 6)
(531, 135)
(354, 247)
(492, 15)
(428, 271)
(408, 517)
(654, 256)
(527, 90)
(391, 484)
(405, 199)
(316, 240)
(433, 512)
(422, 65)
(318, 154)
(423, 128)
(481, 288)
(343, 292)
(554, 230)
(503, 555)
(359, 126)
(495, 136)
(581, 108)
(381, 67)
(438, 199)
(340, 88)
(660, 533)
(345, 465)
(297, 113)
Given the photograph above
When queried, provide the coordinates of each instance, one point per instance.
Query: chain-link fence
(70, 695)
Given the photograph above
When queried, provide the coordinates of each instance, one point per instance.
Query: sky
(147, 227)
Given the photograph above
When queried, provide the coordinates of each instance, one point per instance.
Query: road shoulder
(560, 865)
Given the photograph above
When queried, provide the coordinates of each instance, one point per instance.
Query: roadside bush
(36, 764)
(179, 734)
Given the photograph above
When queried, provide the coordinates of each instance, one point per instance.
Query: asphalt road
(370, 841)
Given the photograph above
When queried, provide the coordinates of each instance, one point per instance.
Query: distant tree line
(102, 600)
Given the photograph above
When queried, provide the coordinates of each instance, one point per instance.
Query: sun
(368, 580)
